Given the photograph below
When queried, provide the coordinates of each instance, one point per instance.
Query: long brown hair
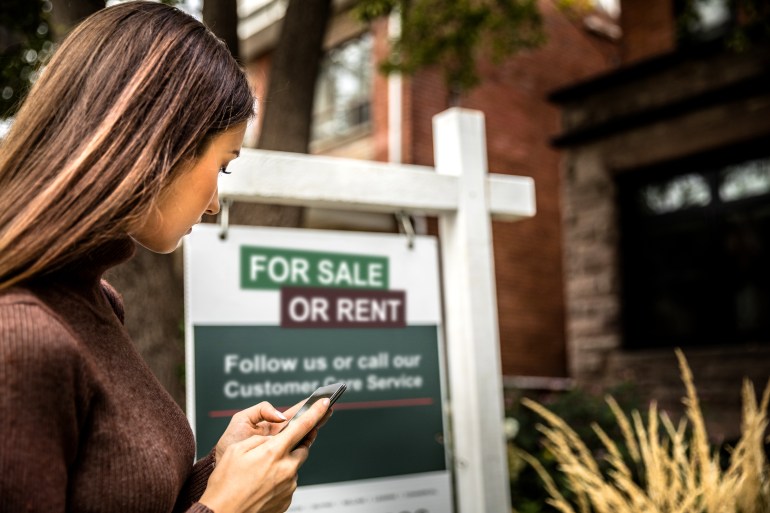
(133, 91)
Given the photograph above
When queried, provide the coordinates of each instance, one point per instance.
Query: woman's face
(192, 193)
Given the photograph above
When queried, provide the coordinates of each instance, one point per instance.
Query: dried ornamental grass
(676, 469)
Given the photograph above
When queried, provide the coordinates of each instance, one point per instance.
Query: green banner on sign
(274, 268)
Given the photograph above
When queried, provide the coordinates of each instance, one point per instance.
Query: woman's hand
(259, 473)
(261, 419)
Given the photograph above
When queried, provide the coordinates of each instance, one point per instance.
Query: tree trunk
(288, 111)
(288, 105)
(65, 14)
(221, 16)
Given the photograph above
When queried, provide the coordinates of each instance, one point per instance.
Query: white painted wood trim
(346, 184)
(473, 347)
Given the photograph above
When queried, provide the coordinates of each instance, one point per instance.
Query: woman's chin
(161, 247)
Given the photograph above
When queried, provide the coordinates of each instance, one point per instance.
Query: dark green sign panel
(388, 423)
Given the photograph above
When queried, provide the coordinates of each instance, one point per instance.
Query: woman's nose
(213, 207)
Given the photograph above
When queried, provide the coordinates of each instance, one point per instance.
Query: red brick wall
(648, 28)
(519, 124)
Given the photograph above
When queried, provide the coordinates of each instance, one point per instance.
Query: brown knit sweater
(84, 424)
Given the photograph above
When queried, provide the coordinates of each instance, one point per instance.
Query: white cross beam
(463, 196)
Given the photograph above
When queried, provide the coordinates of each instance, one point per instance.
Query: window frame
(354, 131)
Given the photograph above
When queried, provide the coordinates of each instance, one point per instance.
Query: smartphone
(332, 392)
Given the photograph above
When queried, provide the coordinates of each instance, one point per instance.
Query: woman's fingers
(251, 443)
(299, 455)
(298, 428)
(262, 411)
(247, 423)
(300, 433)
(325, 418)
(293, 410)
(309, 438)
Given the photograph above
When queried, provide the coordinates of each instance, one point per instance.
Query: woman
(120, 141)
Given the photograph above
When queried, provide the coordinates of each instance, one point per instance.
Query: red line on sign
(394, 403)
(223, 413)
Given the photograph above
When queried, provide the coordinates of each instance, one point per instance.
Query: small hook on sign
(406, 227)
(224, 217)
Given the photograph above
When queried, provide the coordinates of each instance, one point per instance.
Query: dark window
(695, 253)
(344, 90)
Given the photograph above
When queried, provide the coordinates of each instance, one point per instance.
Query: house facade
(666, 218)
(361, 113)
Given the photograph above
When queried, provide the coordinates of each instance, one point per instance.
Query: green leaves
(456, 34)
(24, 44)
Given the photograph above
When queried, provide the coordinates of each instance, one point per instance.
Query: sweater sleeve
(196, 485)
(43, 398)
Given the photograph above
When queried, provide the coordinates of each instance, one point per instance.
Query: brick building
(363, 114)
(667, 211)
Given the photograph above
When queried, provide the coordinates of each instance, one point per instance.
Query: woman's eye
(224, 170)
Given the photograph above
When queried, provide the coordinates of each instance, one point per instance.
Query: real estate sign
(271, 314)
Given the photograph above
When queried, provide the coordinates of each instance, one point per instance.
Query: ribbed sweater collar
(84, 275)
(92, 266)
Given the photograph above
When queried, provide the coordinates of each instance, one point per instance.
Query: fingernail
(280, 415)
(325, 402)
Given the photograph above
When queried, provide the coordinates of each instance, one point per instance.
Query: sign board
(273, 313)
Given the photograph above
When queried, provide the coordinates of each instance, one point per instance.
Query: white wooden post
(463, 197)
(473, 347)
